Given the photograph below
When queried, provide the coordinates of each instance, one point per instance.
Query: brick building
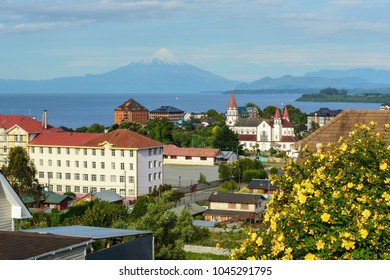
(169, 112)
(131, 110)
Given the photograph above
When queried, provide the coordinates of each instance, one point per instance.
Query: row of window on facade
(85, 190)
(93, 152)
(186, 157)
(16, 138)
(94, 177)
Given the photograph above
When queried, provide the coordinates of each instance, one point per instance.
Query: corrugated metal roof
(89, 232)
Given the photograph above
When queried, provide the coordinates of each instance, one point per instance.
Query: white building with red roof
(191, 156)
(18, 130)
(262, 134)
(123, 161)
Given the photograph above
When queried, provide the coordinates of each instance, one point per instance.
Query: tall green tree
(160, 129)
(21, 173)
(227, 140)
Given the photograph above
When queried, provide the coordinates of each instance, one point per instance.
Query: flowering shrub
(333, 205)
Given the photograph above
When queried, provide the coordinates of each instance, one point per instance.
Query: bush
(333, 205)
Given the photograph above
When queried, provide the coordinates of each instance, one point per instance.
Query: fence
(201, 187)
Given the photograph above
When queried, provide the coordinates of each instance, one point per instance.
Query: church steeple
(232, 111)
(285, 114)
(277, 116)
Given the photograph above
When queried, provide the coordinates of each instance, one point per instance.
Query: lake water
(76, 110)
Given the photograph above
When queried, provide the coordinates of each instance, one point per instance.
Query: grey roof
(236, 197)
(325, 112)
(108, 195)
(193, 208)
(168, 109)
(249, 122)
(201, 223)
(89, 232)
(261, 184)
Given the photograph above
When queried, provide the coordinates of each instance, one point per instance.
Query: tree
(227, 140)
(160, 129)
(250, 174)
(21, 173)
(224, 171)
(95, 128)
(298, 119)
(170, 231)
(202, 179)
(333, 204)
(133, 126)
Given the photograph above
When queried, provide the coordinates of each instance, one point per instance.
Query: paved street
(181, 175)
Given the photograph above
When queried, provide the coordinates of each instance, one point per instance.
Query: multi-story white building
(123, 161)
(262, 134)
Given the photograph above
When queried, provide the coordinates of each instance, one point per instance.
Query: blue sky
(238, 39)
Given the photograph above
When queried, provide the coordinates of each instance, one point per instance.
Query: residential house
(193, 208)
(123, 161)
(321, 117)
(106, 195)
(343, 124)
(262, 185)
(191, 156)
(12, 208)
(171, 113)
(235, 207)
(385, 106)
(262, 134)
(49, 200)
(18, 130)
(132, 111)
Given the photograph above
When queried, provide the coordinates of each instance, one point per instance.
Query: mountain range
(164, 72)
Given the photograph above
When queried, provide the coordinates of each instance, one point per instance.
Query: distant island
(336, 95)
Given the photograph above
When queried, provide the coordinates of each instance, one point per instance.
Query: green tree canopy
(332, 205)
(21, 173)
(160, 129)
(227, 140)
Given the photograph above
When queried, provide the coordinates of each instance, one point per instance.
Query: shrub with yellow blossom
(333, 205)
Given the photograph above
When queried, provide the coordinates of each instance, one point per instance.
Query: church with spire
(262, 134)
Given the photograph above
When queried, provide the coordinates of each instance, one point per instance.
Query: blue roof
(90, 232)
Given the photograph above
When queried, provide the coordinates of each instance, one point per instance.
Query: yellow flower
(310, 256)
(218, 246)
(344, 147)
(321, 201)
(386, 196)
(302, 198)
(259, 241)
(383, 166)
(347, 244)
(253, 258)
(333, 239)
(254, 236)
(350, 185)
(320, 244)
(387, 126)
(363, 233)
(281, 237)
(366, 213)
(372, 123)
(325, 217)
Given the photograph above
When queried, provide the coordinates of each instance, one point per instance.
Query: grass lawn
(200, 256)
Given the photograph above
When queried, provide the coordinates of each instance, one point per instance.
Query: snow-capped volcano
(163, 56)
(160, 72)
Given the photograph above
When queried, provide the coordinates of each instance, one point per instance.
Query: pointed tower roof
(285, 113)
(232, 102)
(277, 114)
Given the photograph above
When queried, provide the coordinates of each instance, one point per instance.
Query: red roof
(69, 139)
(120, 138)
(172, 150)
(247, 137)
(285, 114)
(291, 139)
(286, 123)
(27, 123)
(277, 113)
(124, 138)
(232, 102)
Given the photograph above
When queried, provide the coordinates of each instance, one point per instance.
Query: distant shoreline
(358, 98)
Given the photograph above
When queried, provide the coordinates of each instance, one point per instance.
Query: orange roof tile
(27, 123)
(172, 150)
(232, 102)
(69, 139)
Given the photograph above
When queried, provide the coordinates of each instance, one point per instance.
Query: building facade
(132, 111)
(122, 161)
(321, 117)
(262, 134)
(191, 156)
(171, 113)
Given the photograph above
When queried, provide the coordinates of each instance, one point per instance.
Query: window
(131, 166)
(59, 188)
(93, 177)
(77, 151)
(94, 152)
(159, 175)
(68, 188)
(50, 175)
(121, 179)
(150, 152)
(155, 176)
(93, 189)
(113, 190)
(32, 150)
(155, 151)
(112, 165)
(59, 163)
(102, 165)
(113, 153)
(122, 166)
(85, 152)
(77, 163)
(150, 177)
(231, 205)
(58, 150)
(102, 189)
(41, 162)
(93, 164)
(67, 176)
(68, 163)
(131, 179)
(85, 177)
(67, 151)
(77, 176)
(41, 175)
(155, 163)
(50, 150)
(59, 175)
(102, 153)
(263, 136)
(150, 164)
(245, 206)
(102, 178)
(203, 158)
(113, 178)
(122, 153)
(85, 189)
(131, 153)
(41, 150)
(85, 164)
(188, 157)
(173, 157)
(76, 189)
(122, 192)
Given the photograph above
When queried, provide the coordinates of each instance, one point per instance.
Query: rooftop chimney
(44, 119)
